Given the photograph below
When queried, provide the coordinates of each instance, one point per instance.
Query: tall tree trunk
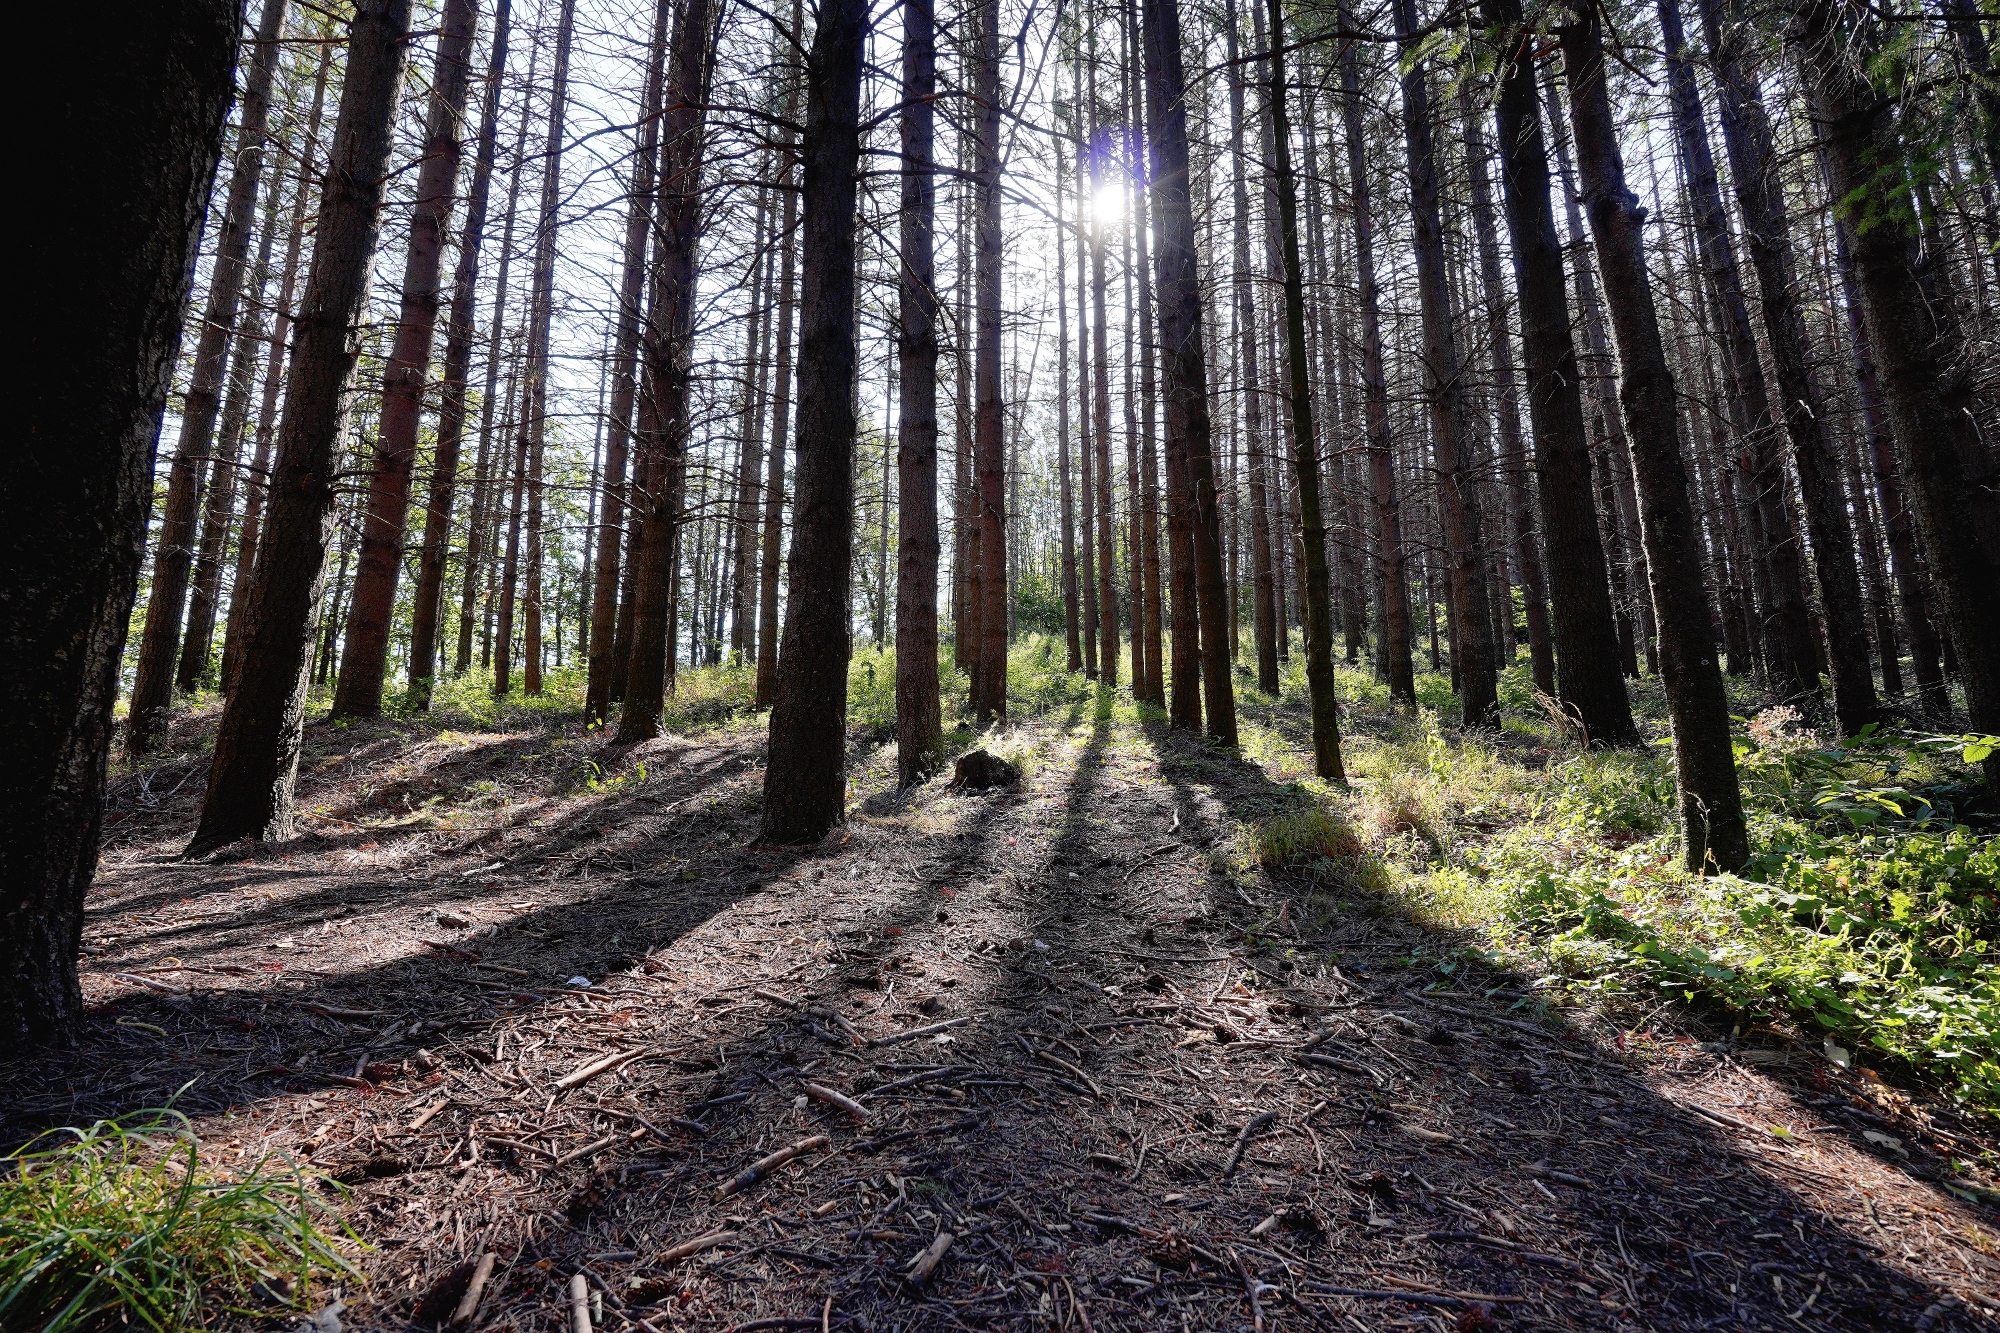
(1919, 349)
(1746, 133)
(488, 472)
(1072, 630)
(1183, 352)
(274, 370)
(1458, 496)
(769, 564)
(257, 741)
(1515, 459)
(1789, 632)
(459, 333)
(1318, 598)
(615, 526)
(108, 274)
(1085, 408)
(667, 379)
(173, 550)
(1250, 387)
(919, 727)
(541, 314)
(1589, 684)
(219, 513)
(989, 683)
(750, 457)
(1100, 380)
(365, 658)
(1711, 803)
(1926, 652)
(1148, 517)
(1394, 648)
(805, 780)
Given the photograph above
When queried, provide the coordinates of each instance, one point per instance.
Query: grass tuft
(122, 1225)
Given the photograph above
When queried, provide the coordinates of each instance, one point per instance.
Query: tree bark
(1919, 349)
(257, 741)
(1318, 598)
(1066, 492)
(1589, 684)
(109, 271)
(173, 548)
(1711, 803)
(989, 682)
(1394, 648)
(274, 372)
(1250, 388)
(1746, 133)
(614, 524)
(1183, 354)
(664, 423)
(919, 727)
(219, 511)
(1458, 495)
(805, 780)
(1515, 459)
(426, 610)
(365, 658)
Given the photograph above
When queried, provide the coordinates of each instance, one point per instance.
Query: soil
(1125, 1080)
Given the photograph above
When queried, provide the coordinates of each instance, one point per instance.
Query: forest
(1015, 664)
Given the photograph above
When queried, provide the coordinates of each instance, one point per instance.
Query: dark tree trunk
(744, 513)
(1711, 803)
(1099, 450)
(459, 333)
(173, 548)
(219, 513)
(535, 388)
(108, 273)
(1085, 411)
(1250, 387)
(1919, 350)
(1753, 165)
(257, 742)
(1926, 652)
(1458, 495)
(805, 779)
(989, 682)
(1789, 636)
(1155, 690)
(1318, 598)
(1393, 652)
(769, 564)
(1515, 460)
(365, 658)
(613, 524)
(667, 375)
(1589, 683)
(1072, 630)
(1182, 352)
(274, 369)
(919, 728)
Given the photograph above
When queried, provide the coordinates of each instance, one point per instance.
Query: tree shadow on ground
(1124, 1008)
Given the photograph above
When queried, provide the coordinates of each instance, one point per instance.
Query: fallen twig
(1243, 1142)
(757, 1170)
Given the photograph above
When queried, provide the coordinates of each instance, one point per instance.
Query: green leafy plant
(123, 1225)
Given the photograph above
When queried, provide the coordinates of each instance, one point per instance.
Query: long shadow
(1034, 915)
(1704, 1220)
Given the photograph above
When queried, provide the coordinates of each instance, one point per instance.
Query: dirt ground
(533, 997)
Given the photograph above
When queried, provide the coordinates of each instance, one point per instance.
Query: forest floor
(528, 994)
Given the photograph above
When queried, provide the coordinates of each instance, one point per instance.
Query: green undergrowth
(125, 1225)
(1868, 919)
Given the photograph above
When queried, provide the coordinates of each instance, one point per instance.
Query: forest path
(1140, 1083)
